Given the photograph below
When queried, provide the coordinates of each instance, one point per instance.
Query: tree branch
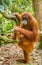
(11, 16)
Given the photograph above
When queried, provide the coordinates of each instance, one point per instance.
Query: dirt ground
(10, 53)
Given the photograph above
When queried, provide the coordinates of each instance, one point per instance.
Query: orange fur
(29, 34)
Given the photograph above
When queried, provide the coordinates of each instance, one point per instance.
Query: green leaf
(9, 2)
(1, 8)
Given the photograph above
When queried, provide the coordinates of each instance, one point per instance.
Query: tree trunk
(37, 5)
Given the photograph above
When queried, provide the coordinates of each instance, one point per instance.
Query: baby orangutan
(29, 34)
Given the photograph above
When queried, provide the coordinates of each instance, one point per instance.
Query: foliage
(4, 4)
(6, 26)
(22, 6)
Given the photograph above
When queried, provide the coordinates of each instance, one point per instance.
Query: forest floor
(10, 53)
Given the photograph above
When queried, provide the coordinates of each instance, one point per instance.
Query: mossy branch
(11, 16)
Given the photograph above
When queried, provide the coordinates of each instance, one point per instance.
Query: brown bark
(37, 5)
